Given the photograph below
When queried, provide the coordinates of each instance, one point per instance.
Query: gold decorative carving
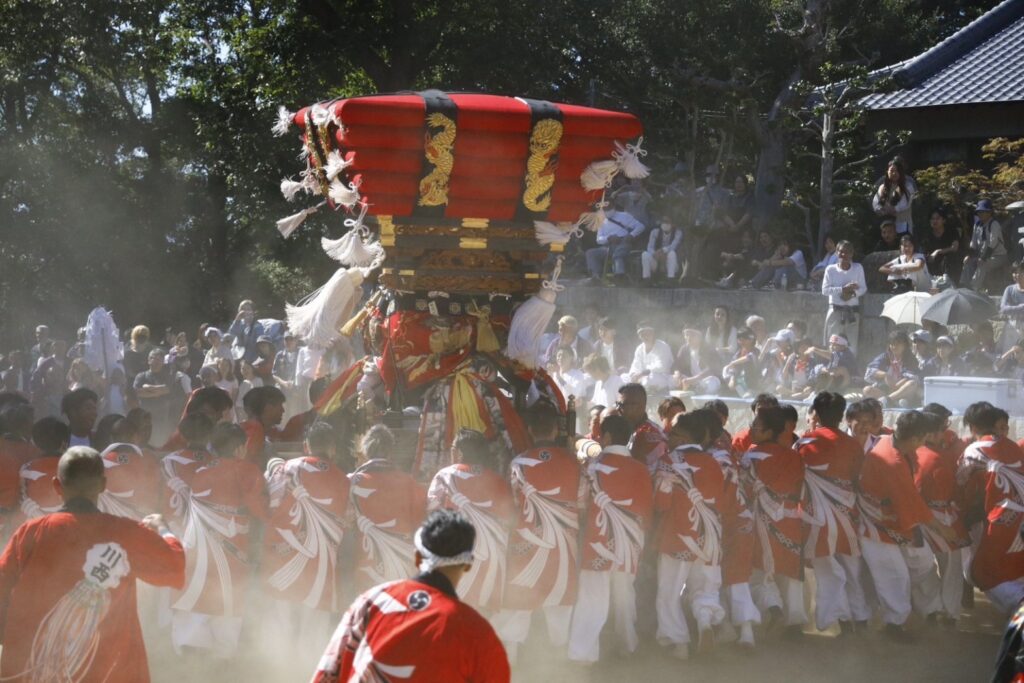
(437, 149)
(540, 172)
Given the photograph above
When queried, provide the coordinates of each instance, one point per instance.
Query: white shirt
(658, 361)
(921, 279)
(618, 224)
(572, 383)
(306, 362)
(606, 392)
(836, 278)
(797, 257)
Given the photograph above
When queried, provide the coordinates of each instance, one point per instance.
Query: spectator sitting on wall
(740, 206)
(615, 238)
(818, 271)
(941, 244)
(615, 350)
(944, 363)
(908, 272)
(568, 337)
(737, 265)
(697, 365)
(652, 361)
(743, 372)
(721, 333)
(889, 240)
(921, 340)
(1011, 306)
(893, 376)
(981, 350)
(760, 329)
(840, 369)
(661, 256)
(784, 269)
(799, 372)
(987, 251)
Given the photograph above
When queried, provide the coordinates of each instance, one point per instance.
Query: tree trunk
(770, 178)
(828, 161)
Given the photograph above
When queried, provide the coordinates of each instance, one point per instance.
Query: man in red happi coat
(832, 461)
(308, 502)
(742, 440)
(388, 505)
(992, 475)
(264, 407)
(134, 486)
(775, 475)
(542, 550)
(935, 479)
(473, 487)
(647, 442)
(38, 496)
(67, 585)
(891, 512)
(417, 630)
(620, 503)
(224, 499)
(688, 487)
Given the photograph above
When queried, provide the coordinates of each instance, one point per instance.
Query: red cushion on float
(381, 138)
(477, 208)
(389, 160)
(585, 121)
(494, 189)
(399, 111)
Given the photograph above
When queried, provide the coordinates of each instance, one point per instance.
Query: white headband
(432, 561)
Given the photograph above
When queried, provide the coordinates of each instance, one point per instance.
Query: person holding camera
(987, 251)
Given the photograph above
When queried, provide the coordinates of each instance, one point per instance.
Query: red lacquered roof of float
(471, 155)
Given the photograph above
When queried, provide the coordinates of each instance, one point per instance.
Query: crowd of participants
(708, 533)
(703, 235)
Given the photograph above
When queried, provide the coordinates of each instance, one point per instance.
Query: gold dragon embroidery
(540, 171)
(437, 148)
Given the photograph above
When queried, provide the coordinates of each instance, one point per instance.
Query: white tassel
(320, 115)
(284, 122)
(628, 159)
(335, 164)
(599, 174)
(551, 233)
(350, 250)
(334, 118)
(593, 220)
(531, 319)
(343, 195)
(316, 318)
(290, 188)
(286, 226)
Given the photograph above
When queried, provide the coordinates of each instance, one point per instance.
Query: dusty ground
(939, 654)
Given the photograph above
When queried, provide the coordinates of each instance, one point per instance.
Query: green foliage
(137, 169)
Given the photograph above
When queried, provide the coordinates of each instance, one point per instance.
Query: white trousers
(600, 592)
(839, 595)
(951, 573)
(649, 264)
(701, 584)
(779, 591)
(513, 626)
(1007, 596)
(741, 604)
(904, 578)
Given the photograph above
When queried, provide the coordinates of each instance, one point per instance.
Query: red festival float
(458, 205)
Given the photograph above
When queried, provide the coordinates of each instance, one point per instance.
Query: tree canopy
(137, 170)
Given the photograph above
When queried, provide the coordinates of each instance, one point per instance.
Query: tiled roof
(981, 63)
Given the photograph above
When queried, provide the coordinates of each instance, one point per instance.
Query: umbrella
(958, 307)
(905, 309)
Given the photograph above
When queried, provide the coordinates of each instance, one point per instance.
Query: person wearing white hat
(944, 363)
(218, 349)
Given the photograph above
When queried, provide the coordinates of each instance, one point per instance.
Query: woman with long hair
(721, 333)
(894, 196)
